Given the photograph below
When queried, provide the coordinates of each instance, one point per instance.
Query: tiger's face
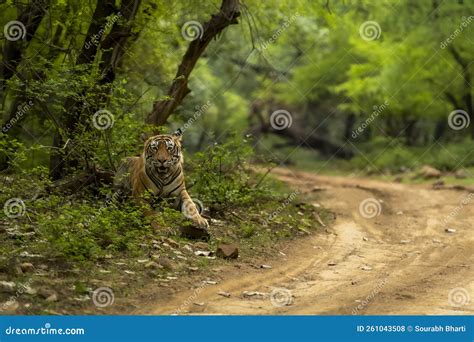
(162, 153)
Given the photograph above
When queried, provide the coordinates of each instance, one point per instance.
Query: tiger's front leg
(189, 209)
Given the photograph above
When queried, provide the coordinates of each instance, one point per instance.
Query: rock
(202, 253)
(52, 298)
(366, 268)
(188, 248)
(171, 242)
(332, 263)
(429, 172)
(460, 174)
(7, 286)
(404, 242)
(365, 238)
(399, 212)
(227, 251)
(254, 294)
(193, 269)
(265, 266)
(191, 232)
(224, 294)
(153, 265)
(166, 263)
(438, 184)
(27, 267)
(199, 303)
(450, 230)
(46, 293)
(201, 246)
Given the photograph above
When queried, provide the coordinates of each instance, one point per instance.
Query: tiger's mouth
(162, 169)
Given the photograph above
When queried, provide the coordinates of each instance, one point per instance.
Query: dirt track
(399, 262)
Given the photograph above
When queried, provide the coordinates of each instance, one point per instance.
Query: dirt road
(388, 253)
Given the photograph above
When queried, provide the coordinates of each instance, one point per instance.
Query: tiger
(159, 171)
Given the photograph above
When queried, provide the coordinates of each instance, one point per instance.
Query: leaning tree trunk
(227, 15)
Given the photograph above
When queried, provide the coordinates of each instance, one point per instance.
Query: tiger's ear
(178, 134)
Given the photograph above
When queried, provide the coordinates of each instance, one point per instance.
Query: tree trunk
(30, 17)
(228, 14)
(58, 166)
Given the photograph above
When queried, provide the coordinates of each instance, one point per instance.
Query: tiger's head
(162, 153)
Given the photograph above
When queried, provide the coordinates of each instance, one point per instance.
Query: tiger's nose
(162, 161)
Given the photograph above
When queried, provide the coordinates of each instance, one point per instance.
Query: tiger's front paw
(201, 222)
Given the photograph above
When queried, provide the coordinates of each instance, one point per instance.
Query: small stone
(129, 272)
(436, 241)
(153, 265)
(404, 242)
(227, 251)
(365, 238)
(166, 263)
(429, 172)
(460, 174)
(366, 268)
(52, 298)
(265, 266)
(171, 242)
(199, 303)
(193, 269)
(7, 286)
(201, 246)
(203, 253)
(254, 294)
(332, 263)
(399, 212)
(224, 294)
(188, 248)
(450, 230)
(27, 267)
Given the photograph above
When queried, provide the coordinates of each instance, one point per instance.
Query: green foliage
(221, 174)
